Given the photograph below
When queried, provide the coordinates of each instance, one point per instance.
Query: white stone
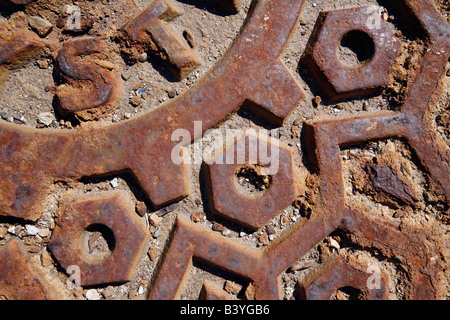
(46, 118)
(92, 294)
(31, 230)
(12, 230)
(334, 244)
(114, 183)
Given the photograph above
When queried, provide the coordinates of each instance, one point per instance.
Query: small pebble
(317, 101)
(264, 239)
(136, 100)
(133, 293)
(114, 183)
(92, 294)
(126, 75)
(334, 244)
(12, 230)
(4, 114)
(44, 233)
(232, 287)
(197, 217)
(41, 26)
(250, 292)
(143, 57)
(304, 264)
(19, 117)
(42, 63)
(270, 230)
(105, 64)
(156, 233)
(31, 230)
(46, 259)
(167, 209)
(141, 208)
(218, 227)
(155, 220)
(172, 94)
(108, 292)
(189, 38)
(141, 290)
(365, 105)
(153, 252)
(46, 118)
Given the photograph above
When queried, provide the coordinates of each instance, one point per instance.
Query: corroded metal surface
(104, 89)
(149, 32)
(209, 292)
(128, 240)
(20, 279)
(324, 139)
(17, 49)
(251, 73)
(143, 145)
(253, 211)
(341, 81)
(335, 274)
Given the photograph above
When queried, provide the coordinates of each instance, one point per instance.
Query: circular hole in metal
(250, 181)
(98, 242)
(356, 49)
(347, 293)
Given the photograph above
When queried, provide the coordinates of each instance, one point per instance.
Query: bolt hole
(250, 181)
(356, 49)
(98, 242)
(347, 293)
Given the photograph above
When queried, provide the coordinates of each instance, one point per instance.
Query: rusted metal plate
(271, 197)
(17, 49)
(340, 80)
(20, 278)
(72, 97)
(251, 73)
(335, 274)
(143, 145)
(127, 240)
(324, 139)
(149, 32)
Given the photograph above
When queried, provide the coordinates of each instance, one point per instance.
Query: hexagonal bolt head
(127, 234)
(273, 192)
(361, 27)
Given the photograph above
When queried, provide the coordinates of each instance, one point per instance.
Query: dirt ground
(28, 93)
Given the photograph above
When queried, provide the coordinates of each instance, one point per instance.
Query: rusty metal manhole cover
(228, 149)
